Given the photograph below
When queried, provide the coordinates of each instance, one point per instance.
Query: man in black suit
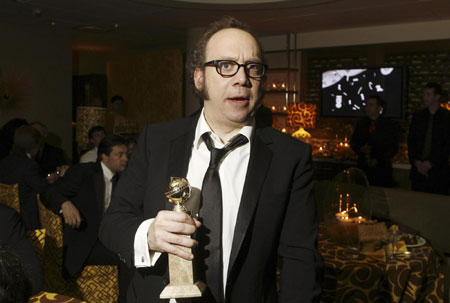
(429, 144)
(13, 236)
(82, 196)
(264, 199)
(21, 168)
(374, 140)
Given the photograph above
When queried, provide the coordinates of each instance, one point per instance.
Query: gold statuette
(181, 271)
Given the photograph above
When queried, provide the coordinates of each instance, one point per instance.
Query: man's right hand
(167, 233)
(71, 214)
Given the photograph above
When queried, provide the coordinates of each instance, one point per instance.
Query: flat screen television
(344, 91)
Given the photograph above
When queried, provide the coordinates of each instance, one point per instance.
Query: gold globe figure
(178, 192)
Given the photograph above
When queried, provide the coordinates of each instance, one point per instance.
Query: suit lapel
(258, 166)
(179, 155)
(99, 185)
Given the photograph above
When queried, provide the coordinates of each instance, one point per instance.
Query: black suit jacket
(13, 236)
(84, 186)
(15, 169)
(440, 143)
(384, 146)
(276, 215)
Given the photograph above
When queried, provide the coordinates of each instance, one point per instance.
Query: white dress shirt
(107, 176)
(89, 156)
(232, 172)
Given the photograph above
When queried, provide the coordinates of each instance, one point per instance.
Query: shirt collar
(107, 173)
(203, 127)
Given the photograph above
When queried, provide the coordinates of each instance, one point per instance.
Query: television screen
(345, 91)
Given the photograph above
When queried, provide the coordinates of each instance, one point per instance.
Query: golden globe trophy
(181, 272)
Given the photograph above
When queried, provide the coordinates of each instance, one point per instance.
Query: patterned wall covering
(151, 84)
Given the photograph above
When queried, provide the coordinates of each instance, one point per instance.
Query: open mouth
(239, 99)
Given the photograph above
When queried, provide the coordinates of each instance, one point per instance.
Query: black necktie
(209, 265)
(114, 181)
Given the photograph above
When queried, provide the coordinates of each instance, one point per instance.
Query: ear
(199, 79)
(103, 158)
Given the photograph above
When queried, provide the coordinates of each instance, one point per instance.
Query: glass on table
(393, 236)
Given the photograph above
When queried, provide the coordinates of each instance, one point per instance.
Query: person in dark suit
(50, 158)
(14, 239)
(7, 135)
(429, 144)
(374, 140)
(263, 207)
(82, 196)
(21, 168)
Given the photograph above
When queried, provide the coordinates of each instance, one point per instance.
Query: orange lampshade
(302, 115)
(446, 106)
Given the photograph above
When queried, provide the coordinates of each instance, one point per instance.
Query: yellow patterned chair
(95, 284)
(9, 195)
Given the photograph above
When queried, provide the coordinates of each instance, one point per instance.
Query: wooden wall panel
(151, 84)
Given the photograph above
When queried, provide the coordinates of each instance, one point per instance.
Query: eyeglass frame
(215, 63)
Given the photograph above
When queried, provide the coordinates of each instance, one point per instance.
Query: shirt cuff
(142, 256)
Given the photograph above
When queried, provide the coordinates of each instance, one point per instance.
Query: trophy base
(183, 291)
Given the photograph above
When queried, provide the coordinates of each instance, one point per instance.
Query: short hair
(380, 101)
(94, 129)
(197, 57)
(10, 127)
(437, 88)
(116, 98)
(15, 286)
(26, 138)
(107, 144)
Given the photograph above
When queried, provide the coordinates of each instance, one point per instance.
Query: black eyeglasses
(228, 68)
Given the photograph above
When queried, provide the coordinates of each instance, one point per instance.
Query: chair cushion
(9, 195)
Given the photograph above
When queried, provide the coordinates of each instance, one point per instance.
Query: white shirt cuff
(142, 256)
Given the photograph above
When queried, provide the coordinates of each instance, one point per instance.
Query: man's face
(372, 109)
(230, 101)
(97, 137)
(429, 98)
(117, 159)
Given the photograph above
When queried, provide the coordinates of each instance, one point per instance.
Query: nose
(241, 77)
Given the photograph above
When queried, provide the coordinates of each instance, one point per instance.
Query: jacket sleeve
(125, 213)
(65, 188)
(33, 178)
(413, 148)
(301, 262)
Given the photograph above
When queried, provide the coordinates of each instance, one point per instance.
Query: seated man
(95, 135)
(21, 168)
(82, 196)
(15, 245)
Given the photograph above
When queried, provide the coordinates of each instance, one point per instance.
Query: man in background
(95, 135)
(82, 196)
(375, 141)
(429, 144)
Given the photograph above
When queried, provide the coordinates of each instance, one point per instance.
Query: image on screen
(344, 91)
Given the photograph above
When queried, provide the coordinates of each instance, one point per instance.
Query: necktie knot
(217, 154)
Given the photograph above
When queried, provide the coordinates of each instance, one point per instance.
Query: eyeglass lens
(229, 68)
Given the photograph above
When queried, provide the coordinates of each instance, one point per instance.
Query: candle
(347, 200)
